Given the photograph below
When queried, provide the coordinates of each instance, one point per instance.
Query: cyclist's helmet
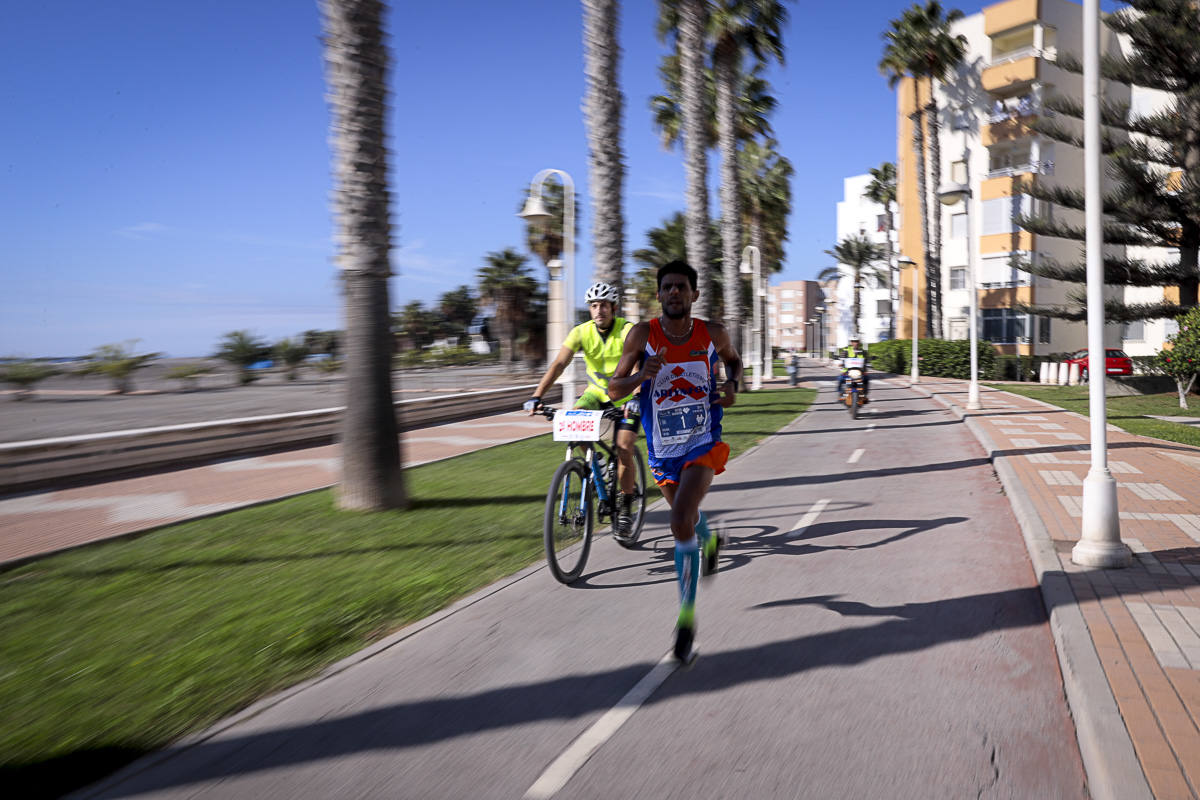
(601, 291)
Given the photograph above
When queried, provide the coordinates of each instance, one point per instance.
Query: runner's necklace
(679, 338)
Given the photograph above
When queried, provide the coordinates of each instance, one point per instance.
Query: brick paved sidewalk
(36, 523)
(1144, 621)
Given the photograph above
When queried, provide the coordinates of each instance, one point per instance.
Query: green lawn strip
(117, 649)
(1127, 412)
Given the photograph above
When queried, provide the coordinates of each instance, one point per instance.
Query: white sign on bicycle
(855, 362)
(577, 425)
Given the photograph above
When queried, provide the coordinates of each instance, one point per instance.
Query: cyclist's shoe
(623, 520)
(685, 634)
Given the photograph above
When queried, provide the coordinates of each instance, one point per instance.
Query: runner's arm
(625, 379)
(733, 363)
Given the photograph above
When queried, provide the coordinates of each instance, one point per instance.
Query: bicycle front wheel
(567, 529)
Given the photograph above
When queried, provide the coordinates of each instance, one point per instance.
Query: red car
(1116, 362)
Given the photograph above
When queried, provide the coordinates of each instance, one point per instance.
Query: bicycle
(584, 481)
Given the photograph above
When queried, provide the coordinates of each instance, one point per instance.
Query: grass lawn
(1127, 412)
(115, 650)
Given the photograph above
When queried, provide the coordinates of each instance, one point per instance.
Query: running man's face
(676, 296)
(602, 313)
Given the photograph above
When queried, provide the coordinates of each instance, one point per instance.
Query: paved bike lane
(875, 630)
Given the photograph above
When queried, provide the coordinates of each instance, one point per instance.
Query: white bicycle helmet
(601, 291)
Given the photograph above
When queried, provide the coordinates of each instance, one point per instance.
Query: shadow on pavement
(905, 628)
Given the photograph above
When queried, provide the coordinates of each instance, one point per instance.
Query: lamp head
(535, 210)
(952, 193)
(905, 262)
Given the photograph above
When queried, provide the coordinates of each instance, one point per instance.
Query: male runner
(681, 412)
(601, 341)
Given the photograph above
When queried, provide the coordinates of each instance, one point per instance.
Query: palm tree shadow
(905, 628)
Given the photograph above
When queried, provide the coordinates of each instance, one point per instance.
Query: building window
(1134, 331)
(998, 213)
(789, 293)
(958, 278)
(786, 306)
(958, 226)
(1044, 330)
(1004, 326)
(883, 308)
(880, 223)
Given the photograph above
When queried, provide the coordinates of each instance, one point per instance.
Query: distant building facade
(791, 309)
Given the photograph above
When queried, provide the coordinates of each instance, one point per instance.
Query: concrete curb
(1109, 761)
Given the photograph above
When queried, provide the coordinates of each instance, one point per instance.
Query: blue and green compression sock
(687, 567)
(702, 529)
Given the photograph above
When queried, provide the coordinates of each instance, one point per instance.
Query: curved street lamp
(949, 195)
(752, 265)
(557, 329)
(904, 262)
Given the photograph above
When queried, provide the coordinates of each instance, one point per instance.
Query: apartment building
(858, 216)
(985, 113)
(791, 311)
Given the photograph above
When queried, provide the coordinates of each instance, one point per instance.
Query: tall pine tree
(1153, 162)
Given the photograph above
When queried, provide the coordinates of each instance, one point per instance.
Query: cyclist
(681, 410)
(601, 341)
(855, 350)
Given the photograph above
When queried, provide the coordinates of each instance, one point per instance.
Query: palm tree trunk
(856, 309)
(357, 62)
(935, 166)
(725, 70)
(691, 62)
(922, 201)
(602, 114)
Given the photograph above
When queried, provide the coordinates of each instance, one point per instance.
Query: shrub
(25, 374)
(1181, 357)
(188, 374)
(940, 358)
(117, 362)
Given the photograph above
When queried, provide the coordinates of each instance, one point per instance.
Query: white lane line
(855, 456)
(871, 426)
(809, 518)
(566, 765)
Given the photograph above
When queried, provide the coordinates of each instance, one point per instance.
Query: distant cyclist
(682, 406)
(601, 341)
(855, 350)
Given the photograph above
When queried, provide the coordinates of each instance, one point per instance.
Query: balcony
(1031, 168)
(1010, 14)
(1004, 76)
(1023, 105)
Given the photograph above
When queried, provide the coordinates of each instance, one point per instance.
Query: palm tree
(356, 71)
(919, 45)
(684, 21)
(859, 254)
(602, 114)
(737, 28)
(505, 283)
(766, 182)
(882, 190)
(291, 353)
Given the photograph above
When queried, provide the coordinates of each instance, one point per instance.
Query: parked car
(1116, 362)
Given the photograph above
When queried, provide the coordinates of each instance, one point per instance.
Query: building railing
(1016, 55)
(1035, 167)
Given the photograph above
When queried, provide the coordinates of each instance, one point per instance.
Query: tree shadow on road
(901, 629)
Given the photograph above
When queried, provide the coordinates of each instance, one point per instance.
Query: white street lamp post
(819, 351)
(752, 265)
(904, 262)
(535, 211)
(949, 196)
(1100, 542)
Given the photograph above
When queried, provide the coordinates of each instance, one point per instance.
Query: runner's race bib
(681, 407)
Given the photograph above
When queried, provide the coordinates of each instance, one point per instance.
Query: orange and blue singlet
(681, 421)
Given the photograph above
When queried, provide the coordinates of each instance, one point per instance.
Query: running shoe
(685, 634)
(623, 522)
(712, 549)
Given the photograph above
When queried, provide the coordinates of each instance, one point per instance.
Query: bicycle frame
(591, 457)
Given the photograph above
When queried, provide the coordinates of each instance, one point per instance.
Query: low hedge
(941, 358)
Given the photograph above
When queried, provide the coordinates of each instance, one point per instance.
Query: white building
(985, 113)
(856, 215)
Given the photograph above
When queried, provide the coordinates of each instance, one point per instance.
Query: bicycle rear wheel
(567, 528)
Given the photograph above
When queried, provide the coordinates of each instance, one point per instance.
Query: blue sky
(166, 165)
